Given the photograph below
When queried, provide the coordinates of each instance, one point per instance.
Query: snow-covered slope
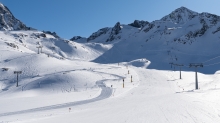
(60, 66)
(52, 45)
(61, 84)
(183, 36)
(160, 97)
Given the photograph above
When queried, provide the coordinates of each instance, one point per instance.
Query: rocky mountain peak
(98, 33)
(114, 32)
(75, 38)
(116, 28)
(180, 15)
(8, 21)
(52, 33)
(139, 24)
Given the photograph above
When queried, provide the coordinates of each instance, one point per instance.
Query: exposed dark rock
(213, 19)
(114, 32)
(217, 30)
(5, 69)
(43, 35)
(12, 45)
(116, 29)
(8, 21)
(75, 38)
(139, 24)
(180, 15)
(150, 26)
(52, 33)
(98, 33)
(203, 29)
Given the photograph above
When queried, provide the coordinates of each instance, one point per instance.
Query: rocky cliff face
(52, 33)
(8, 21)
(98, 33)
(75, 38)
(180, 15)
(114, 32)
(195, 24)
(139, 24)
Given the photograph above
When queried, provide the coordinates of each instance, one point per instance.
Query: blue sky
(70, 18)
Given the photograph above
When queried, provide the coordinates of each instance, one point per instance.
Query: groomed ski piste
(61, 90)
(156, 96)
(54, 89)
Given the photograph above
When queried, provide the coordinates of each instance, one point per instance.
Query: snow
(49, 86)
(158, 98)
(128, 79)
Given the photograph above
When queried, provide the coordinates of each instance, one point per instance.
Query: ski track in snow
(105, 93)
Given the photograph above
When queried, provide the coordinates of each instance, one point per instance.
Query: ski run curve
(105, 93)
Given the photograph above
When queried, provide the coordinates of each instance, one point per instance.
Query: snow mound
(144, 63)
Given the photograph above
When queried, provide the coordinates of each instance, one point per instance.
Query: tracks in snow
(105, 93)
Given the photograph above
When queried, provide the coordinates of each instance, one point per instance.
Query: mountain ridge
(180, 15)
(191, 41)
(189, 38)
(9, 22)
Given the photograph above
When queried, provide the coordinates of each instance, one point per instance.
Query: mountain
(183, 36)
(52, 33)
(180, 15)
(65, 80)
(8, 21)
(139, 24)
(16, 35)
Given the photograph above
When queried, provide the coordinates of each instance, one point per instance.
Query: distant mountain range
(183, 36)
(195, 25)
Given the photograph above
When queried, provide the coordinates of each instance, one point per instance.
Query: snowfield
(126, 73)
(160, 97)
(61, 90)
(55, 87)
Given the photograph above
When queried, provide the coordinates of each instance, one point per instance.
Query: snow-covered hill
(183, 36)
(53, 64)
(28, 41)
(48, 63)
